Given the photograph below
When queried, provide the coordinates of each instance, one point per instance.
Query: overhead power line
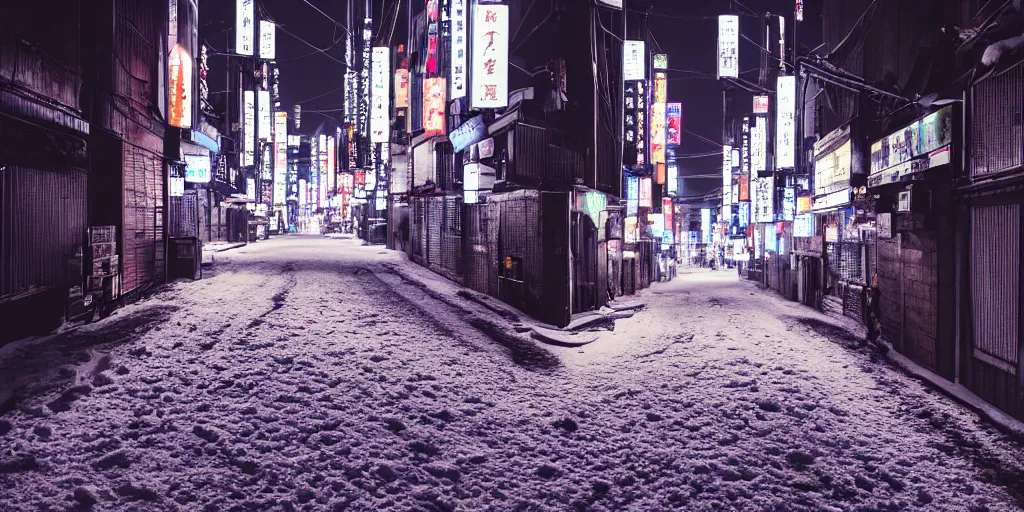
(307, 43)
(342, 25)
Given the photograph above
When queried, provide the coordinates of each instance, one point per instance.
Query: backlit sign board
(263, 106)
(726, 175)
(180, 88)
(759, 144)
(197, 168)
(658, 133)
(380, 102)
(268, 47)
(490, 56)
(760, 104)
(633, 66)
(675, 123)
(660, 61)
(458, 34)
(245, 26)
(632, 195)
(785, 128)
(645, 192)
(248, 128)
(433, 106)
(728, 46)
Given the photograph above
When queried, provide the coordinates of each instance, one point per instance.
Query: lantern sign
(728, 46)
(245, 25)
(433, 106)
(380, 110)
(180, 84)
(490, 56)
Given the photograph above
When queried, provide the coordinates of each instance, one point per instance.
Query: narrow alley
(306, 373)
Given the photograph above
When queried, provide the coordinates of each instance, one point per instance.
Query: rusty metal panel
(142, 232)
(42, 221)
(995, 281)
(996, 139)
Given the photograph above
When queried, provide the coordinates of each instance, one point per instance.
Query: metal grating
(995, 280)
(42, 221)
(996, 141)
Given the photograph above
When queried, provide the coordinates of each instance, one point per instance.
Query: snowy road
(305, 374)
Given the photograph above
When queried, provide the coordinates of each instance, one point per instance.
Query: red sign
(433, 106)
(760, 104)
(360, 178)
(744, 186)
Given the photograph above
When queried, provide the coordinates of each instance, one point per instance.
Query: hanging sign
(728, 46)
(490, 56)
(433, 106)
(759, 144)
(785, 127)
(380, 110)
(633, 67)
(458, 31)
(632, 195)
(472, 131)
(645, 192)
(245, 25)
(760, 104)
(660, 61)
(726, 175)
(248, 128)
(263, 105)
(180, 85)
(268, 46)
(658, 133)
(675, 123)
(401, 88)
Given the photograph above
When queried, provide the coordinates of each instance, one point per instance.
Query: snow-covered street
(305, 373)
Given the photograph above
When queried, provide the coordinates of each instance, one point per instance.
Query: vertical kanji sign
(489, 80)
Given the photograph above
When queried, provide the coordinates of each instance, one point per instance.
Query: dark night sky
(677, 26)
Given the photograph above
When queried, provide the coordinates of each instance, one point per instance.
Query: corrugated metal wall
(995, 280)
(42, 221)
(996, 142)
(143, 218)
(540, 156)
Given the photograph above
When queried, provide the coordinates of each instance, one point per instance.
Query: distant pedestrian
(872, 311)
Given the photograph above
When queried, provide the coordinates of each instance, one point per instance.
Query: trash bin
(185, 256)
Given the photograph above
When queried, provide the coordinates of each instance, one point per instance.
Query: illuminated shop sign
(248, 128)
(675, 123)
(245, 25)
(726, 175)
(433, 106)
(923, 144)
(490, 56)
(180, 85)
(458, 29)
(658, 133)
(759, 144)
(832, 170)
(263, 105)
(728, 46)
(660, 61)
(645, 192)
(760, 104)
(268, 47)
(632, 195)
(197, 168)
(633, 66)
(380, 111)
(785, 128)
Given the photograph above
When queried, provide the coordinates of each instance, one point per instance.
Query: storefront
(837, 204)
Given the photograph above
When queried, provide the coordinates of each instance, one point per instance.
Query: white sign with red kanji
(489, 80)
